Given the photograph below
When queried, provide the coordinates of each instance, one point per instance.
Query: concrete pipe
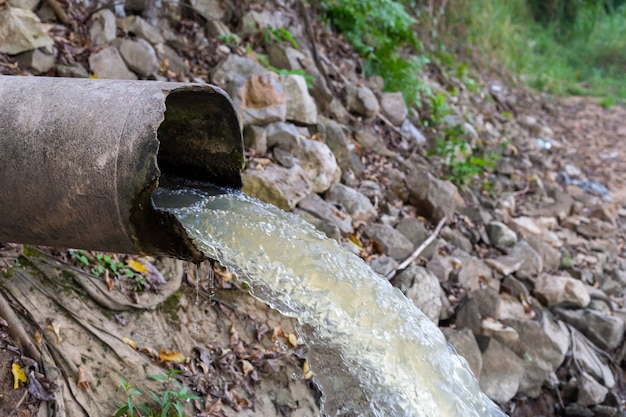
(80, 158)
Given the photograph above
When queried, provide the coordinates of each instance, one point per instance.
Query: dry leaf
(277, 333)
(172, 356)
(38, 337)
(18, 375)
(150, 352)
(247, 367)
(55, 328)
(82, 381)
(137, 266)
(293, 340)
(108, 281)
(129, 342)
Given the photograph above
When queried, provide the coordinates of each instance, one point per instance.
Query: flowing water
(372, 351)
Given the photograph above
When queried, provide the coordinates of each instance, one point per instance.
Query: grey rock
(511, 307)
(456, 237)
(41, 59)
(286, 57)
(553, 290)
(284, 158)
(103, 27)
(497, 330)
(431, 196)
(362, 101)
(371, 140)
(353, 202)
(413, 132)
(255, 139)
(283, 135)
(532, 264)
(560, 339)
(330, 230)
(319, 163)
(277, 185)
(139, 56)
(209, 9)
(383, 265)
(590, 391)
(393, 243)
(72, 71)
(575, 410)
(441, 266)
(109, 64)
(141, 28)
(550, 256)
(504, 265)
(301, 107)
(560, 208)
(333, 135)
(602, 410)
(607, 332)
(502, 372)
(604, 212)
(261, 100)
(234, 68)
(416, 232)
(393, 107)
(465, 344)
(488, 302)
(174, 62)
(473, 272)
(316, 206)
(24, 4)
(500, 235)
(255, 21)
(596, 228)
(591, 360)
(21, 30)
(421, 287)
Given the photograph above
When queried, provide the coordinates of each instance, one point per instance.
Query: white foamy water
(372, 351)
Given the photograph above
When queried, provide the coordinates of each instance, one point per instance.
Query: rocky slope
(525, 277)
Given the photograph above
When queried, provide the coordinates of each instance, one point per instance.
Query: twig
(391, 125)
(419, 250)
(16, 330)
(59, 12)
(309, 33)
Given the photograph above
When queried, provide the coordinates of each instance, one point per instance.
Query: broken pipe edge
(81, 159)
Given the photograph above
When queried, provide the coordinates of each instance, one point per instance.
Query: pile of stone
(527, 282)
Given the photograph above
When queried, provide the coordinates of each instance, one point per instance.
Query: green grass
(587, 57)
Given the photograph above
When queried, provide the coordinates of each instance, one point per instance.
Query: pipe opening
(200, 138)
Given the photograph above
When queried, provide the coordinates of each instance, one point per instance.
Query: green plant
(439, 108)
(271, 34)
(230, 39)
(100, 263)
(167, 404)
(263, 60)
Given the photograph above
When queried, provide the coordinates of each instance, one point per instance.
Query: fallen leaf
(55, 328)
(129, 342)
(38, 337)
(137, 266)
(108, 281)
(247, 367)
(293, 340)
(36, 389)
(18, 375)
(82, 381)
(150, 352)
(172, 356)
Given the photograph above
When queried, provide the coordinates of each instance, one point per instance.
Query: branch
(419, 250)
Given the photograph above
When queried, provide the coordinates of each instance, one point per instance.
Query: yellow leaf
(354, 239)
(129, 342)
(166, 356)
(18, 375)
(293, 340)
(137, 266)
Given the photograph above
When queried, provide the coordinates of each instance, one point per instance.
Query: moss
(171, 307)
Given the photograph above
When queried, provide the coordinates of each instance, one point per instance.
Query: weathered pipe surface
(80, 158)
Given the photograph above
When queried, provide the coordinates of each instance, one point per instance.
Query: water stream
(372, 351)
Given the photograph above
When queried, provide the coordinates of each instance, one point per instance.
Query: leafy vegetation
(167, 404)
(103, 264)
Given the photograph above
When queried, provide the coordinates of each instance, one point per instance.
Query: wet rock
(140, 28)
(607, 332)
(353, 202)
(596, 228)
(174, 62)
(416, 233)
(532, 264)
(553, 290)
(20, 31)
(500, 235)
(72, 71)
(103, 27)
(301, 108)
(209, 9)
(262, 100)
(320, 164)
(590, 391)
(502, 372)
(421, 287)
(109, 64)
(465, 344)
(316, 206)
(456, 238)
(41, 59)
(139, 56)
(393, 243)
(281, 134)
(413, 132)
(504, 265)
(234, 68)
(277, 185)
(393, 107)
(362, 101)
(255, 139)
(383, 265)
(431, 196)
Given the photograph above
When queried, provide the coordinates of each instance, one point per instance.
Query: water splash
(373, 352)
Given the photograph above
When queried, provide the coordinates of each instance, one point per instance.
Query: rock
(316, 206)
(320, 164)
(393, 243)
(590, 391)
(421, 287)
(255, 21)
(41, 59)
(262, 100)
(281, 134)
(502, 333)
(140, 28)
(109, 64)
(607, 332)
(393, 107)
(602, 410)
(285, 57)
(511, 307)
(361, 100)
(330, 230)
(550, 256)
(255, 139)
(591, 360)
(383, 265)
(413, 132)
(605, 212)
(301, 108)
(502, 372)
(432, 197)
(174, 62)
(504, 265)
(500, 235)
(371, 140)
(465, 344)
(235, 68)
(488, 302)
(532, 264)
(416, 232)
(20, 31)
(103, 27)
(529, 225)
(596, 229)
(277, 185)
(353, 202)
(73, 71)
(24, 4)
(468, 315)
(472, 273)
(441, 266)
(456, 238)
(575, 410)
(561, 208)
(139, 56)
(553, 290)
(209, 9)
(333, 135)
